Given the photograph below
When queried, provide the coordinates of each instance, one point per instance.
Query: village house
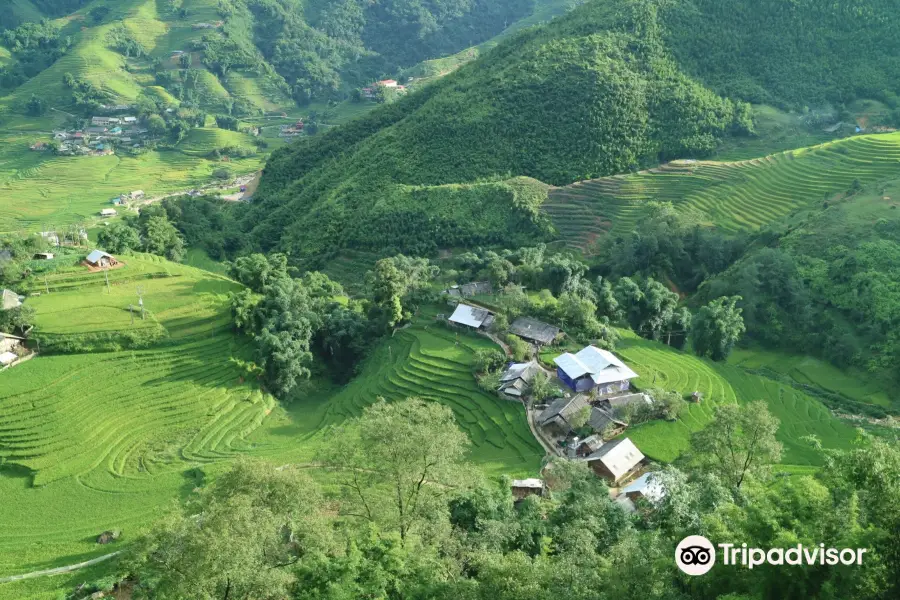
(43, 256)
(108, 212)
(534, 330)
(517, 377)
(619, 403)
(470, 316)
(9, 300)
(99, 258)
(594, 369)
(9, 342)
(522, 488)
(562, 412)
(615, 460)
(646, 487)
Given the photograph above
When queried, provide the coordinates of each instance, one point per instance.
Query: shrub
(488, 359)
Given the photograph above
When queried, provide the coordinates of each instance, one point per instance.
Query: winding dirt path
(59, 570)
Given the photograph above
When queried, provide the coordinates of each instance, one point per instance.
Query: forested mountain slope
(590, 94)
(608, 88)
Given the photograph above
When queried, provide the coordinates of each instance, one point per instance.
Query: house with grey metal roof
(561, 412)
(517, 377)
(99, 258)
(472, 316)
(9, 300)
(534, 330)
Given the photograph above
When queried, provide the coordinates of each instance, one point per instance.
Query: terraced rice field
(733, 196)
(435, 365)
(90, 442)
(660, 366)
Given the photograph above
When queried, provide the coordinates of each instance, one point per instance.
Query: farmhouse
(615, 460)
(646, 486)
(592, 368)
(604, 423)
(108, 212)
(562, 411)
(43, 256)
(99, 258)
(534, 330)
(470, 316)
(620, 402)
(9, 343)
(9, 300)
(515, 380)
(102, 121)
(136, 195)
(522, 488)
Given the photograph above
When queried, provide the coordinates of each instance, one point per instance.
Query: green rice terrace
(733, 196)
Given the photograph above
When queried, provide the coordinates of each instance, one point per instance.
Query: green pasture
(733, 196)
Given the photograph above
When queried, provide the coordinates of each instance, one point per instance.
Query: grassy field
(40, 191)
(733, 196)
(661, 366)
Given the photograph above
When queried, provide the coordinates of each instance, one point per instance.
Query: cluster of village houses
(596, 382)
(100, 137)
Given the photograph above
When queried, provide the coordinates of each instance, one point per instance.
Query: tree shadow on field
(16, 471)
(194, 478)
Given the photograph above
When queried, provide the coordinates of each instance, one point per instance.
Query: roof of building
(96, 255)
(525, 371)
(593, 443)
(514, 388)
(108, 211)
(532, 329)
(601, 365)
(9, 299)
(620, 401)
(618, 456)
(476, 287)
(648, 485)
(533, 483)
(601, 419)
(469, 315)
(10, 336)
(7, 358)
(563, 407)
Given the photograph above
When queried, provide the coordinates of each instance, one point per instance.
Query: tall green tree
(398, 464)
(740, 441)
(238, 538)
(717, 328)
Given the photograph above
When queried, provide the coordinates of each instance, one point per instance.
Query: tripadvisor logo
(696, 555)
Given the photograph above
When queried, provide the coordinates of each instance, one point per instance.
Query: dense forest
(324, 49)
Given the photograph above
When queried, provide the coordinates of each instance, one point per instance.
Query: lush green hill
(603, 90)
(732, 196)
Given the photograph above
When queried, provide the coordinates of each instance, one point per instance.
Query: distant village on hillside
(99, 135)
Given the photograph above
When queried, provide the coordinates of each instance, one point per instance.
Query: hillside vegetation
(606, 89)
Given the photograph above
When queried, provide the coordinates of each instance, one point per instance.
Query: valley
(266, 281)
